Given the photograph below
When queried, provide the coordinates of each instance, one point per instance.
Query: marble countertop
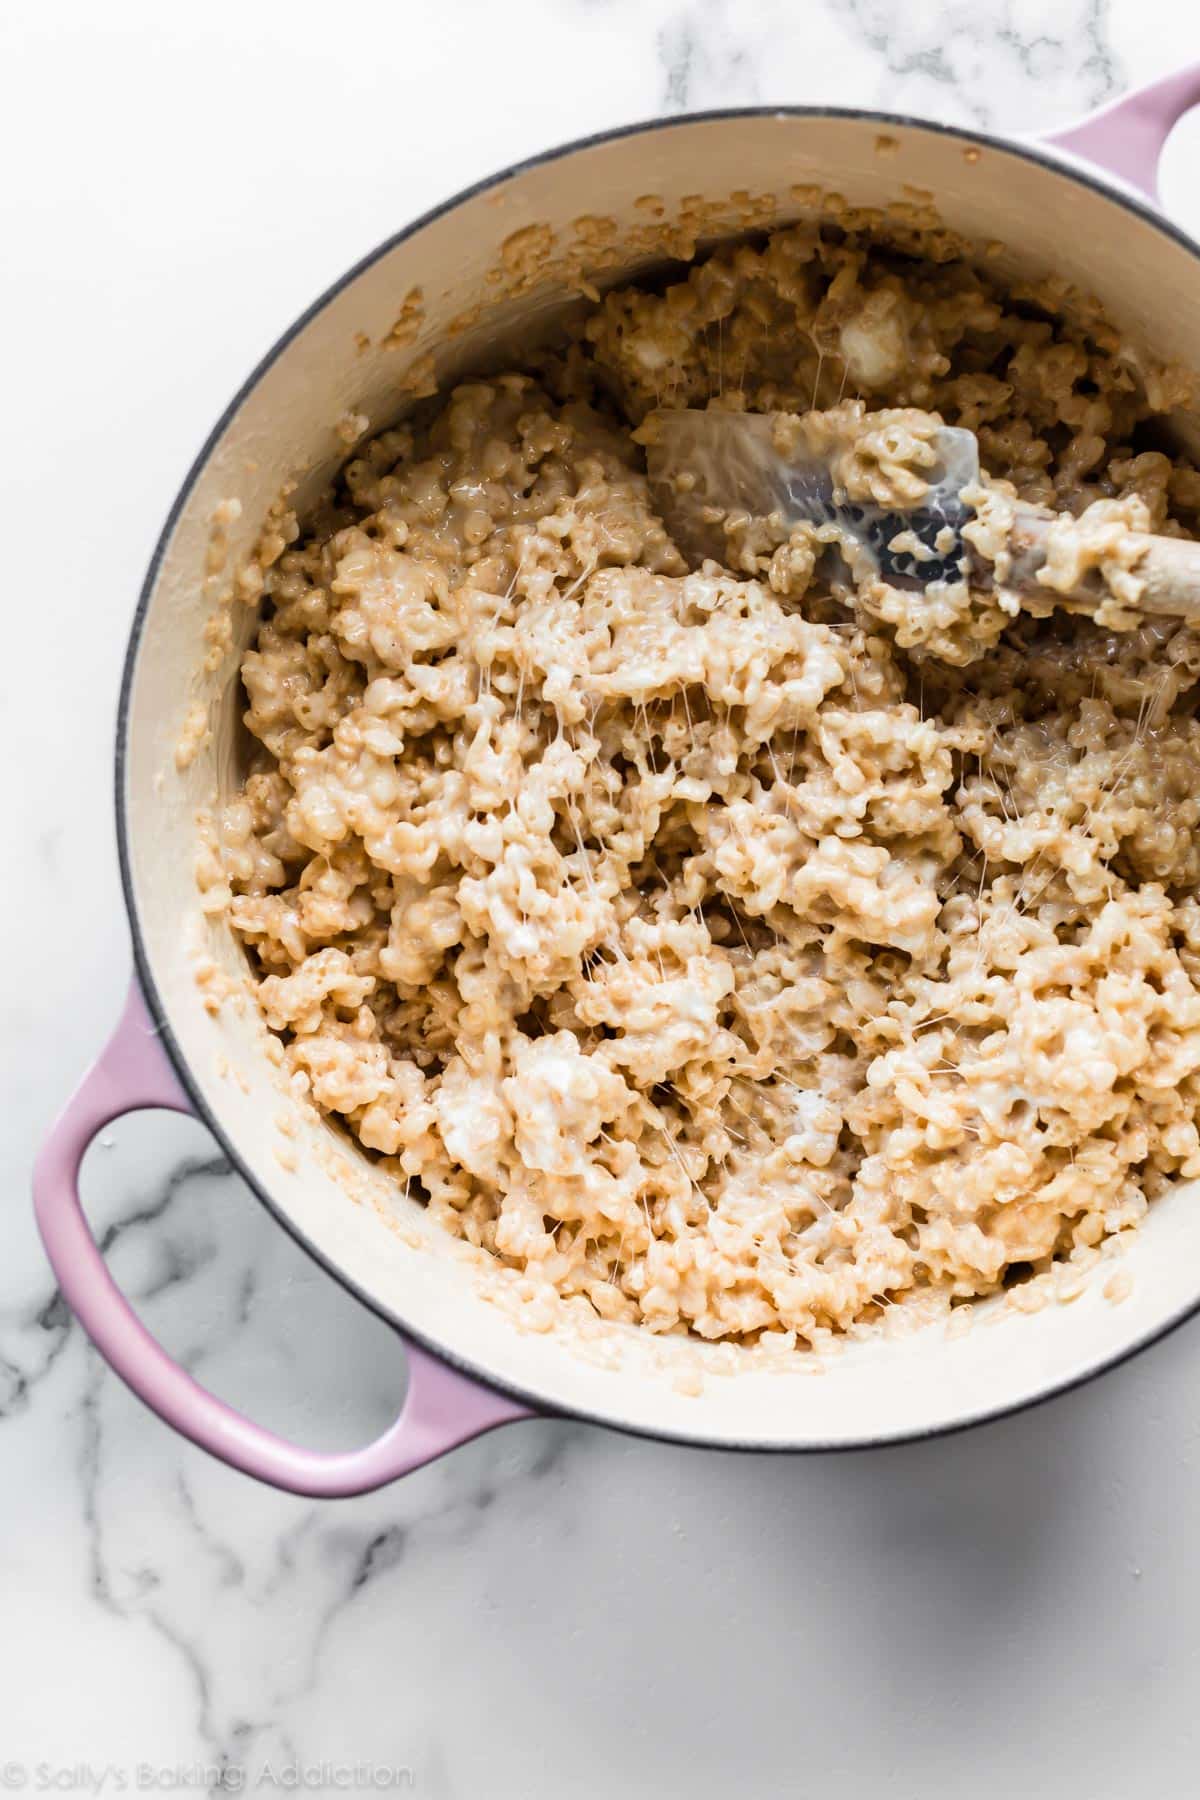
(554, 1611)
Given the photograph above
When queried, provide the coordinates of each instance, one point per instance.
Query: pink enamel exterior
(1127, 137)
(441, 1407)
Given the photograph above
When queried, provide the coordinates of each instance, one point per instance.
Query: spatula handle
(1169, 568)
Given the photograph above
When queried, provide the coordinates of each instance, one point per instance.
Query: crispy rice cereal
(739, 956)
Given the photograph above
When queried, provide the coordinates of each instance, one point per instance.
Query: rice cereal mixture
(741, 953)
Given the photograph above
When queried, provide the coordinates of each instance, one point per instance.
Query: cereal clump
(739, 957)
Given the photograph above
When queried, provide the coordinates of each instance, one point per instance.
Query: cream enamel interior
(283, 430)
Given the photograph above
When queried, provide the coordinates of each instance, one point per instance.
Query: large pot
(472, 1366)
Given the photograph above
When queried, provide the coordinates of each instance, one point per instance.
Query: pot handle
(1126, 137)
(441, 1407)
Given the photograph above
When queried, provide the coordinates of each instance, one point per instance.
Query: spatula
(709, 467)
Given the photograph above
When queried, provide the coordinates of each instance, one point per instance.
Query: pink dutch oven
(1081, 204)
